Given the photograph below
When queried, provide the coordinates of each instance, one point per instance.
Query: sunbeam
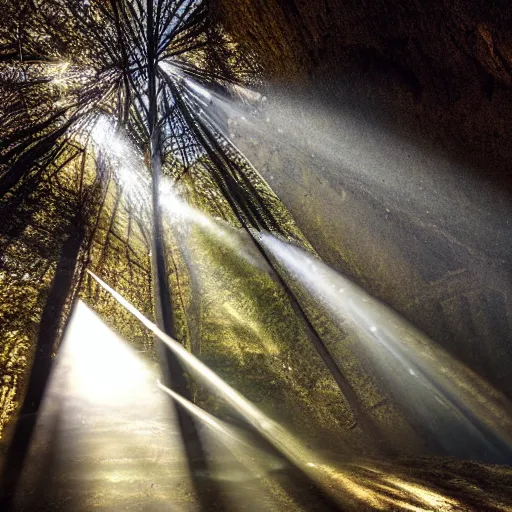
(462, 412)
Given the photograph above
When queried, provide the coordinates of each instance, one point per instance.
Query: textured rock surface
(443, 66)
(411, 102)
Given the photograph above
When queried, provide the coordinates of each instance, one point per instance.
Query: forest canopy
(106, 144)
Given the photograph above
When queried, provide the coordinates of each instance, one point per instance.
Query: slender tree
(66, 64)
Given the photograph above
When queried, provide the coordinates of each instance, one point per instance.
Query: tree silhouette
(77, 76)
(69, 64)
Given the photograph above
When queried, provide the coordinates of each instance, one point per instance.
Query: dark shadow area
(49, 333)
(40, 490)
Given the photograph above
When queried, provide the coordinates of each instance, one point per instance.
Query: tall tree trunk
(172, 372)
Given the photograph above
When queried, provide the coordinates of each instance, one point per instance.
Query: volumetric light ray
(231, 437)
(465, 416)
(276, 435)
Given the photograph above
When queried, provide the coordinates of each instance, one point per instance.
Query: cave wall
(442, 68)
(414, 100)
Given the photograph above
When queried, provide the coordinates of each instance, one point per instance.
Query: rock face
(443, 66)
(401, 112)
